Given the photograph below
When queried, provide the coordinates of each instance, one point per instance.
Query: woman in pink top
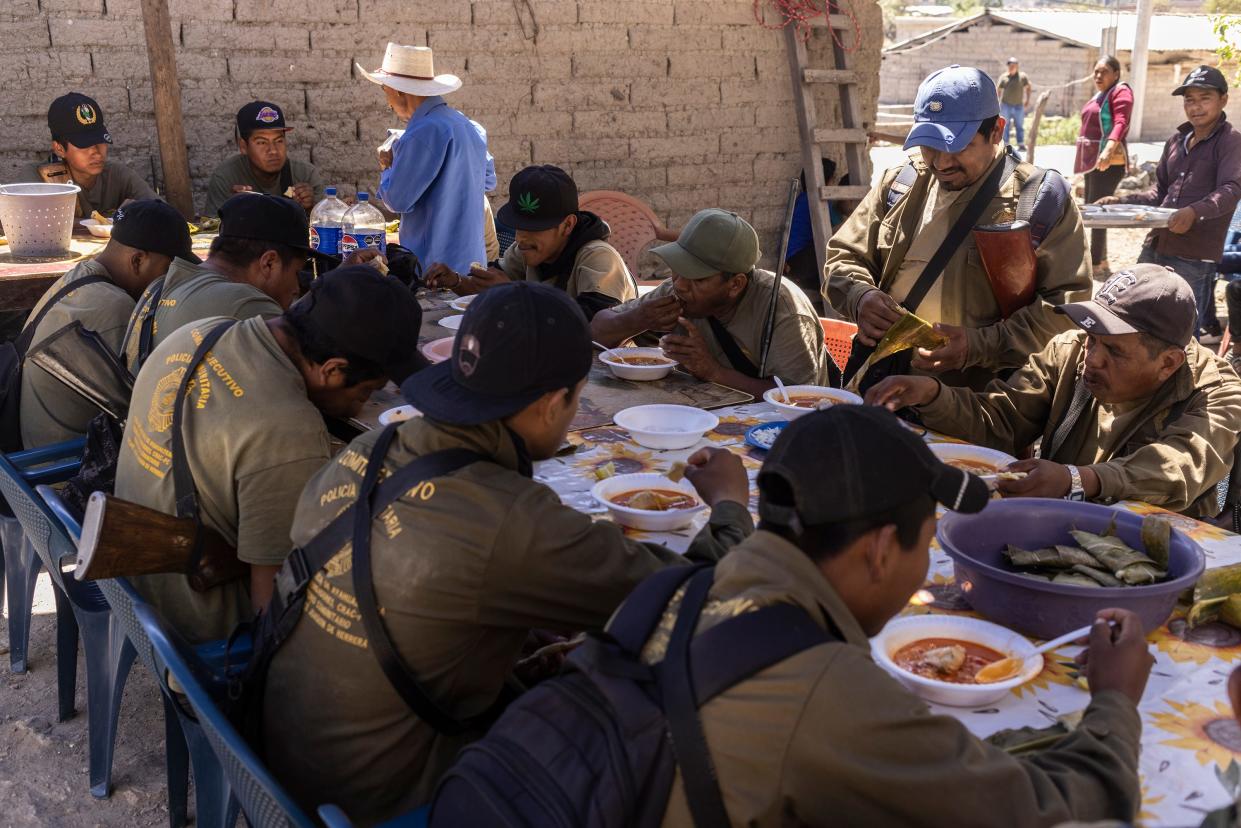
(1101, 150)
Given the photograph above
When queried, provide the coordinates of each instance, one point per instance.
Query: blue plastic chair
(263, 800)
(82, 613)
(50, 464)
(333, 817)
(184, 745)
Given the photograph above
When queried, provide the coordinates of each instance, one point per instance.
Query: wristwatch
(1076, 491)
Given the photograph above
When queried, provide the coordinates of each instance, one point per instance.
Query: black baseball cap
(1204, 77)
(265, 218)
(539, 197)
(1144, 298)
(77, 118)
(517, 342)
(368, 314)
(258, 115)
(154, 226)
(875, 464)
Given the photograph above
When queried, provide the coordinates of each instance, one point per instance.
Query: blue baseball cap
(951, 104)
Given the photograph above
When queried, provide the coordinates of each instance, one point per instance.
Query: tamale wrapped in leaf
(1141, 573)
(1051, 557)
(1230, 611)
(1074, 578)
(1110, 551)
(1218, 583)
(1157, 538)
(911, 331)
(1102, 578)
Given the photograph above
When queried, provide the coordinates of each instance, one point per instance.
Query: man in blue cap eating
(910, 246)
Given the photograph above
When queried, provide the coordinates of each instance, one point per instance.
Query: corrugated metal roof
(1169, 32)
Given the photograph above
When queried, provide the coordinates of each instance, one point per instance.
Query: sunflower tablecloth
(1189, 736)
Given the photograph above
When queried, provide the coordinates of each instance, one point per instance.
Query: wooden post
(1032, 138)
(166, 92)
(1137, 72)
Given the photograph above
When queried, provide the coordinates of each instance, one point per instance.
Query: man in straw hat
(433, 175)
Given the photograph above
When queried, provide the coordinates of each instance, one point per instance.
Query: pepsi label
(325, 240)
(350, 242)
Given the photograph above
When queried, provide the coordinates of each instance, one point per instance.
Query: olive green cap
(713, 241)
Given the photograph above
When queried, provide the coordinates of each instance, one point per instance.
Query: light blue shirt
(436, 184)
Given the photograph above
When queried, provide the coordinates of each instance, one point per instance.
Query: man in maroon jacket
(1199, 174)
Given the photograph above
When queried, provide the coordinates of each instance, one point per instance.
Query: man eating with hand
(714, 308)
(1128, 405)
(262, 163)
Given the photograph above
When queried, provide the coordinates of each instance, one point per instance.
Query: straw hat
(411, 69)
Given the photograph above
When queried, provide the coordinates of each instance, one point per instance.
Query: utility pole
(166, 92)
(1141, 42)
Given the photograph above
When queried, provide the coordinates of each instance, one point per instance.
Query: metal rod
(768, 330)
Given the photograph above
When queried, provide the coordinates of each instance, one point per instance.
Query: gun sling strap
(22, 345)
(184, 492)
(354, 524)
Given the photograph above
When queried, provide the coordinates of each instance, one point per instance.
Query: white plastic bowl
(995, 460)
(666, 426)
(98, 230)
(837, 396)
(438, 350)
(902, 631)
(642, 373)
(452, 323)
(462, 302)
(398, 415)
(645, 519)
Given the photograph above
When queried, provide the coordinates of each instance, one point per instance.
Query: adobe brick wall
(684, 103)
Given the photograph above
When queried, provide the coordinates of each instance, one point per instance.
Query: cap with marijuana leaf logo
(540, 197)
(528, 203)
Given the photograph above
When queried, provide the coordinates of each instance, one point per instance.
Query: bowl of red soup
(802, 399)
(938, 657)
(641, 364)
(652, 502)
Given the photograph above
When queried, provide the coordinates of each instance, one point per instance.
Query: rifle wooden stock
(120, 538)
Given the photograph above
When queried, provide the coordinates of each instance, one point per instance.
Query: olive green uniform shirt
(112, 188)
(1013, 88)
(870, 248)
(237, 170)
(597, 268)
(464, 567)
(51, 411)
(798, 355)
(252, 439)
(827, 737)
(1169, 450)
(190, 293)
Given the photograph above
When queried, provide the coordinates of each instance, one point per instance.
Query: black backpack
(599, 745)
(12, 354)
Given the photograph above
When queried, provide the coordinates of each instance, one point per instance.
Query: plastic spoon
(1006, 668)
(783, 390)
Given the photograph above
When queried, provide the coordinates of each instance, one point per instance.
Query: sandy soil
(43, 763)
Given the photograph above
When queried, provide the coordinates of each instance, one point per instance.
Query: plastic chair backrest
(634, 224)
(46, 533)
(838, 336)
(262, 798)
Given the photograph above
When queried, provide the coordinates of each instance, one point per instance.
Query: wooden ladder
(813, 137)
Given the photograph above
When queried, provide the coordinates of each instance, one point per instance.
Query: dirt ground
(43, 763)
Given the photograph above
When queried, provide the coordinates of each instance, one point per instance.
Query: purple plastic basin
(1040, 608)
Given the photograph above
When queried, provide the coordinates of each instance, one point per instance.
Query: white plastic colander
(38, 218)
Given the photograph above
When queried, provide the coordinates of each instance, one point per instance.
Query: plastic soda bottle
(325, 223)
(363, 227)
